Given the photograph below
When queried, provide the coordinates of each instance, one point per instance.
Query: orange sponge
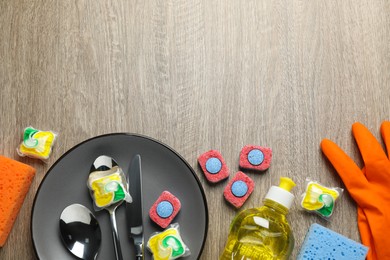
(15, 181)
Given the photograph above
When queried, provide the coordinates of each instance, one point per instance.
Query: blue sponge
(323, 243)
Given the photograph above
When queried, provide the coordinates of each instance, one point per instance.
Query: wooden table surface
(198, 75)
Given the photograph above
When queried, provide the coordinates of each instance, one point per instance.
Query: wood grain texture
(198, 75)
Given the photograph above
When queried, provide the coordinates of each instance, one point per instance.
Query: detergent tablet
(165, 209)
(255, 157)
(213, 166)
(238, 189)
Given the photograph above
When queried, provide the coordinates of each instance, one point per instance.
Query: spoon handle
(115, 236)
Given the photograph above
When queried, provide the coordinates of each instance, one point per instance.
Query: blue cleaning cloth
(324, 244)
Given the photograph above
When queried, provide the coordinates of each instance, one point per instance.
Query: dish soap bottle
(263, 233)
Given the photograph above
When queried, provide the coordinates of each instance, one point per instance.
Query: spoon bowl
(80, 231)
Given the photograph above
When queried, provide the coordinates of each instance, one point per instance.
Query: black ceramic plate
(162, 168)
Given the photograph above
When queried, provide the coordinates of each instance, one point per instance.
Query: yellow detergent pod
(107, 190)
(36, 143)
(167, 245)
(317, 197)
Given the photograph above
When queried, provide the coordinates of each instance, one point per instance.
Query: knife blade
(134, 214)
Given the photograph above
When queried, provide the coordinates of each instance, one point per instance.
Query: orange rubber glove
(369, 187)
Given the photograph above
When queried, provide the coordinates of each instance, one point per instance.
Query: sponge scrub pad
(323, 243)
(15, 181)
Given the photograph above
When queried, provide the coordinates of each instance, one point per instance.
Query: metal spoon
(106, 163)
(80, 231)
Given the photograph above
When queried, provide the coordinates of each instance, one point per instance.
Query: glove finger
(385, 131)
(369, 147)
(350, 173)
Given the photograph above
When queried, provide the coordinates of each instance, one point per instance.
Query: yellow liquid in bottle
(260, 233)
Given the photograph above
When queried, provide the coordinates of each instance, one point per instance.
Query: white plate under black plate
(162, 169)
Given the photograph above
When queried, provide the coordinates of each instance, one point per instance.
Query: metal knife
(134, 209)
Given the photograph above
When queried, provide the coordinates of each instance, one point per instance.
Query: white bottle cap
(282, 194)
